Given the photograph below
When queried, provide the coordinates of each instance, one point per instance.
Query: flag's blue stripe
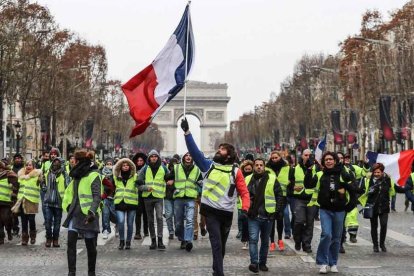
(181, 35)
(372, 157)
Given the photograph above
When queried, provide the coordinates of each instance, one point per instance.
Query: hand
(170, 182)
(89, 218)
(243, 214)
(297, 188)
(184, 125)
(149, 189)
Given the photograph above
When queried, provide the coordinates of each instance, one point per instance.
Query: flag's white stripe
(390, 161)
(165, 65)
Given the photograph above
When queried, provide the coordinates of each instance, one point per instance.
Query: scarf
(81, 169)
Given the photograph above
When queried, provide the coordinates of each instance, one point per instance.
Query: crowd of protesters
(196, 195)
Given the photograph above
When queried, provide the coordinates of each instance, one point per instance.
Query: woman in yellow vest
(378, 190)
(82, 203)
(29, 196)
(331, 186)
(126, 199)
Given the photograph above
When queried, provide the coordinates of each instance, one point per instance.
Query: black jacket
(332, 180)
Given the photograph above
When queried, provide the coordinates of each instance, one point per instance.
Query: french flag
(156, 85)
(319, 149)
(397, 166)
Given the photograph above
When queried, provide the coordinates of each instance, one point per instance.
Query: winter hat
(108, 159)
(249, 156)
(139, 155)
(153, 152)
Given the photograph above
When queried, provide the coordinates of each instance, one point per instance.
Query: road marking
(408, 240)
(361, 241)
(364, 267)
(307, 259)
(101, 241)
(78, 251)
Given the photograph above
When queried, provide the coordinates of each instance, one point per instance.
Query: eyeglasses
(329, 159)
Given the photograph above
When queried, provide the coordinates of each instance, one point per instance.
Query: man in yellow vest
(82, 203)
(223, 183)
(152, 183)
(303, 215)
(8, 184)
(185, 175)
(267, 201)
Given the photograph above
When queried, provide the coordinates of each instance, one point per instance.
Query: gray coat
(75, 212)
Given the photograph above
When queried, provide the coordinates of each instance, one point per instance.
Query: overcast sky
(251, 45)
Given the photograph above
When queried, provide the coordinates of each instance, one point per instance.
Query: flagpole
(186, 59)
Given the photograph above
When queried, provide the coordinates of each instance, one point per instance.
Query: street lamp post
(76, 141)
(18, 127)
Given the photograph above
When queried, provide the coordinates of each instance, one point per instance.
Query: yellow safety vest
(364, 197)
(269, 196)
(60, 184)
(5, 190)
(29, 189)
(282, 177)
(84, 193)
(186, 186)
(157, 183)
(128, 193)
(299, 179)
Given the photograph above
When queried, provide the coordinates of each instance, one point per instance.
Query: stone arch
(198, 113)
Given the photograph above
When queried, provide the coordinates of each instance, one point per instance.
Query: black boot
(161, 246)
(91, 250)
(153, 244)
(121, 245)
(128, 245)
(71, 252)
(383, 248)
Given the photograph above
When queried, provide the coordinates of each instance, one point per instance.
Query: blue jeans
(120, 217)
(52, 220)
(107, 210)
(259, 226)
(184, 210)
(286, 217)
(169, 214)
(332, 225)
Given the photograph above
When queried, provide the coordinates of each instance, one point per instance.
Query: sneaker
(334, 269)
(281, 245)
(272, 247)
(245, 246)
(105, 234)
(324, 269)
(254, 268)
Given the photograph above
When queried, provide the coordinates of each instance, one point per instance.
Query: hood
(117, 168)
(34, 173)
(182, 159)
(138, 155)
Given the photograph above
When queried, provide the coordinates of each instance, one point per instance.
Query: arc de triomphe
(206, 101)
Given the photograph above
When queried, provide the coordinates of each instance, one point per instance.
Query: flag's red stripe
(141, 99)
(404, 164)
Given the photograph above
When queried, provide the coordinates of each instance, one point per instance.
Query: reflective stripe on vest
(186, 187)
(84, 193)
(5, 190)
(128, 193)
(269, 193)
(299, 180)
(282, 177)
(157, 184)
(61, 184)
(216, 188)
(29, 189)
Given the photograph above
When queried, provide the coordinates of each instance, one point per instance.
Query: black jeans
(304, 221)
(5, 220)
(141, 213)
(383, 219)
(28, 221)
(218, 229)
